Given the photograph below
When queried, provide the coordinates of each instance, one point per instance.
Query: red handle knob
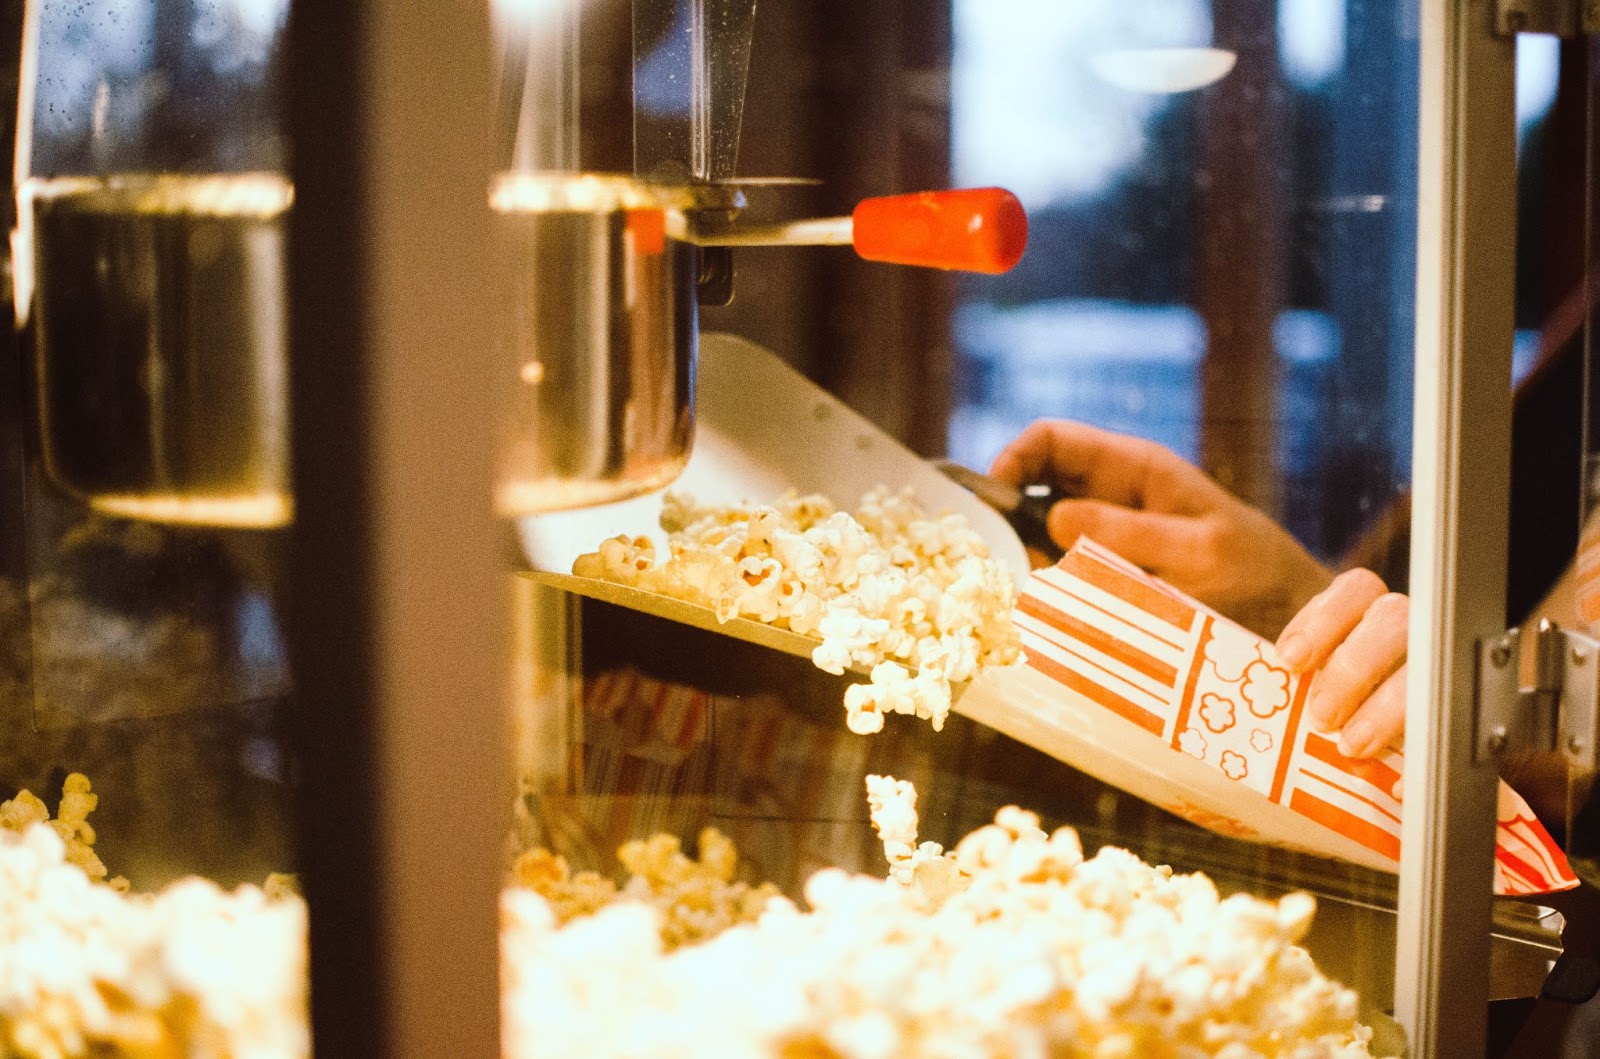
(974, 230)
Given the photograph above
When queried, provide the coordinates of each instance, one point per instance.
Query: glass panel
(1230, 274)
(143, 473)
(149, 270)
(1221, 199)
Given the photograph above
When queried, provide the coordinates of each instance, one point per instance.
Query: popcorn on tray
(915, 600)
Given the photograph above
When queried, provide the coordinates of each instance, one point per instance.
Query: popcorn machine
(354, 361)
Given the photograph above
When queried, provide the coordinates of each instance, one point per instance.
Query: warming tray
(763, 429)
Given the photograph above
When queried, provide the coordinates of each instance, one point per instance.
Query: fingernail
(1293, 650)
(1356, 740)
(1320, 719)
(1317, 707)
(1394, 791)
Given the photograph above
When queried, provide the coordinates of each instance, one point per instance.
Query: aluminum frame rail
(1466, 212)
(398, 600)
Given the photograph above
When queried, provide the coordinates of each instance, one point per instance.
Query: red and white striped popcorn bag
(1141, 686)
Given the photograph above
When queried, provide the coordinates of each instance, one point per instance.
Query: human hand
(1155, 509)
(1353, 637)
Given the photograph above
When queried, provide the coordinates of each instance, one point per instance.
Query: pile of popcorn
(1013, 944)
(86, 969)
(696, 899)
(915, 601)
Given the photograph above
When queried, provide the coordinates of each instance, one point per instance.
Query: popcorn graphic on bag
(1230, 651)
(1216, 712)
(1266, 688)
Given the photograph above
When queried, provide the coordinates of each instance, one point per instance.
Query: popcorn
(71, 824)
(929, 873)
(1012, 945)
(916, 601)
(893, 805)
(1037, 951)
(695, 899)
(86, 969)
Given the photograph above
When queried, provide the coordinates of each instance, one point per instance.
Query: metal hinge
(1564, 18)
(1557, 714)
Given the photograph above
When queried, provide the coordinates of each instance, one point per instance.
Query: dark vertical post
(924, 115)
(1361, 438)
(397, 609)
(1239, 282)
(886, 76)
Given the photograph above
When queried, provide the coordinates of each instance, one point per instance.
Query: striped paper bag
(1135, 683)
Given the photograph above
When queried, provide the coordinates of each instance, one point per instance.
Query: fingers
(1147, 539)
(1023, 460)
(1102, 465)
(1379, 721)
(1354, 635)
(1325, 622)
(1372, 652)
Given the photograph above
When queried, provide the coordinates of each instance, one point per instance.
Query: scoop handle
(972, 229)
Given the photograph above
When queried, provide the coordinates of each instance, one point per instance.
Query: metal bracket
(1564, 18)
(1578, 715)
(1559, 713)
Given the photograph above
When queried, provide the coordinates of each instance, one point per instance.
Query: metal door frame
(1466, 231)
(398, 602)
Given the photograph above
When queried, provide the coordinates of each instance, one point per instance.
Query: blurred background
(1226, 270)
